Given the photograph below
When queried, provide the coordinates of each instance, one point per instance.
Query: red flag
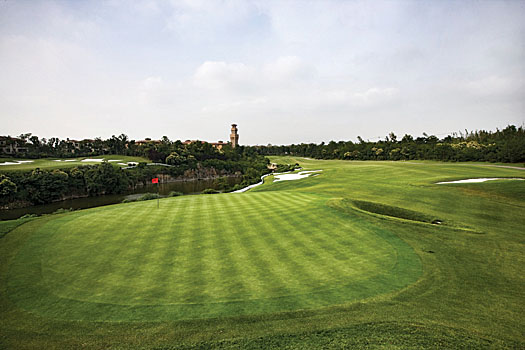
(155, 180)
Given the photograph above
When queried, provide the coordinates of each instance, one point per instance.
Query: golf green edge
(28, 288)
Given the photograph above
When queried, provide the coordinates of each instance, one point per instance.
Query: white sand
(92, 160)
(66, 160)
(252, 186)
(18, 162)
(466, 181)
(296, 176)
(299, 175)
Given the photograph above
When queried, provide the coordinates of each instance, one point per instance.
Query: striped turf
(206, 256)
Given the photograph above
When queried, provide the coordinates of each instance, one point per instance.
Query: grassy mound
(397, 212)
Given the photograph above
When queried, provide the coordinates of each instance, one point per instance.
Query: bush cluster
(507, 145)
(43, 186)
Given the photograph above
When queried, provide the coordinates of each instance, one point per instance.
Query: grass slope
(52, 163)
(289, 264)
(8, 226)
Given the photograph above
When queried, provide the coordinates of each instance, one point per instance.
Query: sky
(285, 71)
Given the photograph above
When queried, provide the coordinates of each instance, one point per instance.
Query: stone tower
(234, 137)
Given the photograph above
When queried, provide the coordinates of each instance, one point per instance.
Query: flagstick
(158, 195)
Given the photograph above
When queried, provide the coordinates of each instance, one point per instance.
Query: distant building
(146, 141)
(218, 145)
(234, 136)
(272, 166)
(234, 140)
(13, 145)
(73, 145)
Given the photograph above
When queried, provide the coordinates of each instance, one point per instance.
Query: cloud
(351, 98)
(239, 106)
(153, 91)
(320, 69)
(203, 20)
(287, 84)
(289, 69)
(495, 86)
(223, 75)
(244, 78)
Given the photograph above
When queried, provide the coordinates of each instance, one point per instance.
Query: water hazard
(186, 187)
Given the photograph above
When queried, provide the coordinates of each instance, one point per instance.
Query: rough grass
(390, 335)
(237, 254)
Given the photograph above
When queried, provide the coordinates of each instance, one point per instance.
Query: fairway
(372, 254)
(10, 164)
(204, 256)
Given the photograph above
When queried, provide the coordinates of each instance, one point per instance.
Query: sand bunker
(91, 160)
(467, 181)
(252, 186)
(296, 176)
(18, 162)
(66, 160)
(281, 177)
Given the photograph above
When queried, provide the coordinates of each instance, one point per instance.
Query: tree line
(195, 160)
(507, 146)
(198, 158)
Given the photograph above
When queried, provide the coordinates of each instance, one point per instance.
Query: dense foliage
(201, 159)
(507, 145)
(196, 160)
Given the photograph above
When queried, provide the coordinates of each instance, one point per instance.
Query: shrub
(237, 187)
(210, 191)
(62, 210)
(148, 196)
(175, 194)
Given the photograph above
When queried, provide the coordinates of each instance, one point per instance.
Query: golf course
(10, 164)
(353, 254)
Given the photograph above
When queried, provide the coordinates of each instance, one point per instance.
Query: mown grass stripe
(312, 259)
(277, 243)
(250, 258)
(234, 254)
(226, 271)
(259, 260)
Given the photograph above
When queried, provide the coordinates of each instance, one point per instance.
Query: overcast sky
(284, 71)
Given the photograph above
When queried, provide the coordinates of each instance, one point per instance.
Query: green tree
(7, 187)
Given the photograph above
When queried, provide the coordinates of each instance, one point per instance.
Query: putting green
(206, 256)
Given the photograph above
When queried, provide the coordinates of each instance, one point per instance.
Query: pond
(186, 187)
